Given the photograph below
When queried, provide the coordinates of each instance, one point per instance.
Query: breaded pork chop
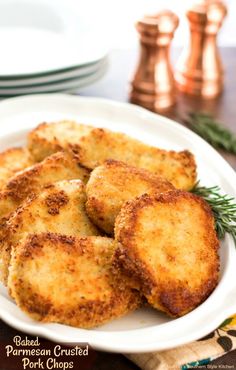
(112, 184)
(168, 246)
(99, 145)
(59, 208)
(68, 280)
(11, 161)
(47, 139)
(57, 167)
(95, 145)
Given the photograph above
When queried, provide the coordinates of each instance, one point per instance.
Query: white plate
(39, 36)
(66, 85)
(144, 330)
(54, 77)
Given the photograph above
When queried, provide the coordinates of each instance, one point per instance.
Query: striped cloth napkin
(194, 354)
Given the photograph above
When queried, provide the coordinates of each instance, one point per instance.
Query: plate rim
(71, 84)
(54, 77)
(50, 72)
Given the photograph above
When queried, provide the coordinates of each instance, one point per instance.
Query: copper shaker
(199, 70)
(153, 85)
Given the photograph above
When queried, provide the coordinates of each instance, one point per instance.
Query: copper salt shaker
(199, 70)
(153, 85)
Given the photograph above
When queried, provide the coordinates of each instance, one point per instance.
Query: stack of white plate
(48, 46)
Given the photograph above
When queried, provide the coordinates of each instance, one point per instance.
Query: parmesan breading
(168, 249)
(112, 184)
(59, 208)
(11, 161)
(67, 280)
(93, 146)
(59, 166)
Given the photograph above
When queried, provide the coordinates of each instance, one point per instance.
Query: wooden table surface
(115, 86)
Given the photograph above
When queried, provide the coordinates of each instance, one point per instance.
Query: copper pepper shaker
(153, 85)
(199, 70)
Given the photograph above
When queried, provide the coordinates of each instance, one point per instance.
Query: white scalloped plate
(41, 36)
(144, 330)
(70, 84)
(56, 77)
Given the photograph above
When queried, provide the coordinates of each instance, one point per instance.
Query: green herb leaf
(225, 342)
(226, 322)
(212, 131)
(223, 208)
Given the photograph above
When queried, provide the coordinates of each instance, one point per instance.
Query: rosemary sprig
(223, 208)
(212, 131)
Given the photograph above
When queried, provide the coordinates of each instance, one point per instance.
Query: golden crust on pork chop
(169, 249)
(11, 161)
(48, 138)
(68, 280)
(57, 167)
(112, 184)
(99, 145)
(93, 146)
(59, 208)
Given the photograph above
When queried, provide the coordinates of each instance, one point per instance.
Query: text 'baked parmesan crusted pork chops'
(93, 146)
(168, 249)
(68, 280)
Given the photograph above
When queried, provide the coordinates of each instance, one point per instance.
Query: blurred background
(117, 18)
(66, 45)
